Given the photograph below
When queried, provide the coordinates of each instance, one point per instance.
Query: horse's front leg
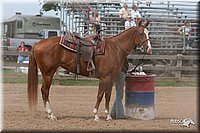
(101, 90)
(45, 95)
(105, 86)
(49, 112)
(108, 92)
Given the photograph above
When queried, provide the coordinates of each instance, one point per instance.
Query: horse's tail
(32, 81)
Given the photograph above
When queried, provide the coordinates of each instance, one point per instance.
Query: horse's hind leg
(47, 79)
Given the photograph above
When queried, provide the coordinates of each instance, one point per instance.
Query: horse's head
(141, 38)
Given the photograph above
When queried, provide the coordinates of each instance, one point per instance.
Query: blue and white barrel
(139, 96)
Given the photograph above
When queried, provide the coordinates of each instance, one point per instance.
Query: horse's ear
(140, 22)
(147, 23)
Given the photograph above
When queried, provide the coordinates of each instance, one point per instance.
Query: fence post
(184, 44)
(178, 67)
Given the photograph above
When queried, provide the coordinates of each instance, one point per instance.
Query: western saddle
(85, 46)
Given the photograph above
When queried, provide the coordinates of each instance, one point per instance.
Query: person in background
(135, 15)
(123, 14)
(117, 111)
(22, 48)
(96, 21)
(186, 29)
(129, 23)
(22, 57)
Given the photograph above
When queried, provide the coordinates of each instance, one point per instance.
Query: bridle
(142, 59)
(140, 44)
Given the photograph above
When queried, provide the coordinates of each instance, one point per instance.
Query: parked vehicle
(12, 44)
(28, 28)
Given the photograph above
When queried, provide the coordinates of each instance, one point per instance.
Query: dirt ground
(73, 107)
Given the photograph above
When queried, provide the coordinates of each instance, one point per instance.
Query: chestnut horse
(48, 55)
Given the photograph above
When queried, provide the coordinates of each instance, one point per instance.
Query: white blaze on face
(147, 34)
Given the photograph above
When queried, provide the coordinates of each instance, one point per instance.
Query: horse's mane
(121, 32)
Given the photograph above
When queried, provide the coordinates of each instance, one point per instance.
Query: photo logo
(185, 122)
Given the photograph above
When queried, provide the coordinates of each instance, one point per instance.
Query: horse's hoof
(96, 118)
(52, 117)
(109, 118)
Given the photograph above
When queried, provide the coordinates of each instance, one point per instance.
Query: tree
(49, 5)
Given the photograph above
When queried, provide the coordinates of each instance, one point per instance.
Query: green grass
(79, 82)
(8, 71)
(14, 80)
(175, 83)
(83, 82)
(10, 76)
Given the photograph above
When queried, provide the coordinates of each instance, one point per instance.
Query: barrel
(139, 96)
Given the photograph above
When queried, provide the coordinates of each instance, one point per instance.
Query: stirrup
(94, 42)
(92, 67)
(92, 74)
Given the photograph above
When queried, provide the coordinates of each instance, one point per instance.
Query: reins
(139, 63)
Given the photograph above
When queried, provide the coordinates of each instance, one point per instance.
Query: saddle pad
(73, 47)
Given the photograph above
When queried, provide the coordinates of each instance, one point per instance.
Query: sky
(26, 7)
